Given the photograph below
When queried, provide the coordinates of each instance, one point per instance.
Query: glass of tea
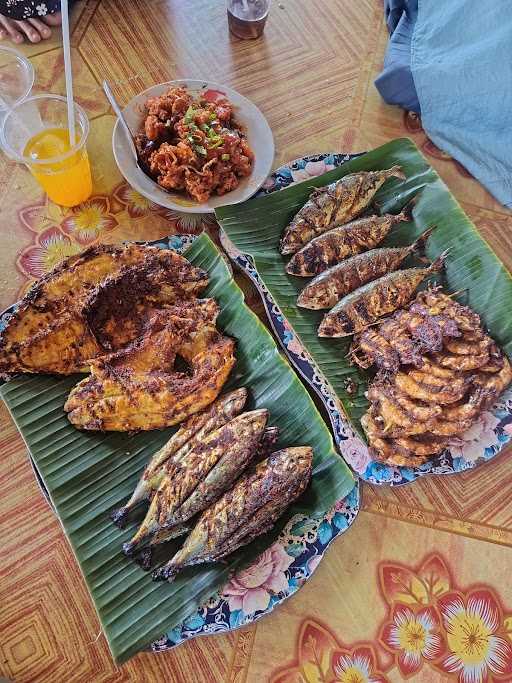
(35, 132)
(246, 18)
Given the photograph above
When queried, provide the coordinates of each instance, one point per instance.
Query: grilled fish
(326, 289)
(338, 203)
(136, 388)
(118, 308)
(188, 435)
(144, 557)
(191, 483)
(342, 242)
(366, 305)
(249, 509)
(51, 332)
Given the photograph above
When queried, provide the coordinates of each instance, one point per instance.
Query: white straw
(67, 69)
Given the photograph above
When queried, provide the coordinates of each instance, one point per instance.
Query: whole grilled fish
(188, 435)
(264, 449)
(365, 305)
(338, 203)
(342, 242)
(201, 476)
(325, 290)
(249, 509)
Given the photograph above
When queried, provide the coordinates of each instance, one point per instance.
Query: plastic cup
(35, 132)
(16, 79)
(247, 18)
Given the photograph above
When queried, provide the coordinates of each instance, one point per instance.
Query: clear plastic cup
(35, 132)
(16, 79)
(247, 18)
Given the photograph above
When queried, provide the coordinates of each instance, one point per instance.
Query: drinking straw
(67, 70)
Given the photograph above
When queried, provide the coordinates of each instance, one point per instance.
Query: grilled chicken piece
(137, 389)
(51, 329)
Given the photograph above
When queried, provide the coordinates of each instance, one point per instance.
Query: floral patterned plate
(479, 444)
(279, 571)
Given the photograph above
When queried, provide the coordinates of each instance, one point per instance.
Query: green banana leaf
(472, 268)
(90, 474)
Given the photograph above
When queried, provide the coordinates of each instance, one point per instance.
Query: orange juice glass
(35, 132)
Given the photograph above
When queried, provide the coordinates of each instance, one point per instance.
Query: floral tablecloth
(419, 587)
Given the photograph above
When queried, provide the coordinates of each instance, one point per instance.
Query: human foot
(33, 29)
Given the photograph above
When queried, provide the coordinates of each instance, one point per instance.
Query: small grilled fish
(338, 203)
(203, 474)
(188, 435)
(249, 509)
(326, 289)
(342, 242)
(264, 449)
(366, 305)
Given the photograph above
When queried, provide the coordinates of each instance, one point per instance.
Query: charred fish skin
(333, 205)
(341, 243)
(245, 511)
(326, 289)
(366, 305)
(265, 447)
(193, 430)
(218, 459)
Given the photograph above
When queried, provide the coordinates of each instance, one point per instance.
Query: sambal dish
(193, 145)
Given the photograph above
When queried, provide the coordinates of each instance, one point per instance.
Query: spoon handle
(119, 114)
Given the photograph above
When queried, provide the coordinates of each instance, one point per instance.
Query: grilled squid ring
(430, 393)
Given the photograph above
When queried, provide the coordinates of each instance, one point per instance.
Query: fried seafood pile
(438, 370)
(124, 314)
(194, 145)
(219, 479)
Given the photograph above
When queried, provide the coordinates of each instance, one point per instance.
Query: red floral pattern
(413, 637)
(356, 666)
(50, 248)
(58, 232)
(136, 204)
(465, 635)
(479, 650)
(88, 220)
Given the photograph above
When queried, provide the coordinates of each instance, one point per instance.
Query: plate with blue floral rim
(482, 442)
(279, 571)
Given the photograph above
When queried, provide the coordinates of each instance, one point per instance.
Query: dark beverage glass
(246, 18)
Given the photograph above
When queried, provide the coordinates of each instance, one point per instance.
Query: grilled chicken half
(57, 329)
(137, 388)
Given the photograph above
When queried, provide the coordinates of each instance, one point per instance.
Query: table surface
(312, 76)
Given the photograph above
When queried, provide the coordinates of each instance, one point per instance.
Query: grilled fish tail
(394, 172)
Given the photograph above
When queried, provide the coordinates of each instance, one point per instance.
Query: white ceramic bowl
(247, 114)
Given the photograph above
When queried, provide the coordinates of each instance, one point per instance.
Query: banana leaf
(473, 270)
(90, 474)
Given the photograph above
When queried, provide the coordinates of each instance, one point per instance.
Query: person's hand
(33, 29)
